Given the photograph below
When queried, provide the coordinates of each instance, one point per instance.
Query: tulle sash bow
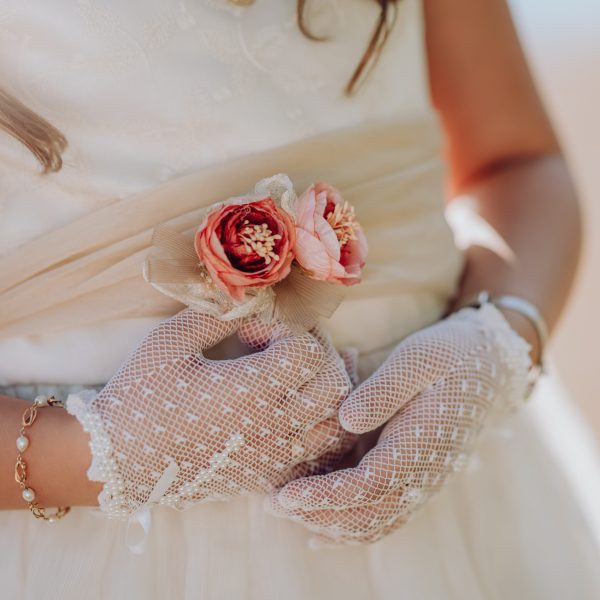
(90, 270)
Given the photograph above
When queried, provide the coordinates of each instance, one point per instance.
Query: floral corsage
(269, 253)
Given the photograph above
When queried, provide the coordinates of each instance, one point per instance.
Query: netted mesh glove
(434, 392)
(177, 428)
(325, 442)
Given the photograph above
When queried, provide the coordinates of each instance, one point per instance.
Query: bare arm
(57, 458)
(504, 154)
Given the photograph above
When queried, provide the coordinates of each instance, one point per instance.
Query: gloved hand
(435, 392)
(175, 427)
(326, 442)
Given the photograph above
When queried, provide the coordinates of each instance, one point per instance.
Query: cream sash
(90, 270)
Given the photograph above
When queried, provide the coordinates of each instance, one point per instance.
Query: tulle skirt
(514, 525)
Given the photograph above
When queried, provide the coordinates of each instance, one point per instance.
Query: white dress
(148, 90)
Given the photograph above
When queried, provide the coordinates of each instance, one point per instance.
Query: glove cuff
(103, 468)
(514, 351)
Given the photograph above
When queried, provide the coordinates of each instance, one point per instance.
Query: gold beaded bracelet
(27, 492)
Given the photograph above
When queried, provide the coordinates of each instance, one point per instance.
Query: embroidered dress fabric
(150, 91)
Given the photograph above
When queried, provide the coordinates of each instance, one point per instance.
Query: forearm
(57, 458)
(532, 205)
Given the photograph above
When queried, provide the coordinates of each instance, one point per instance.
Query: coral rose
(246, 245)
(330, 244)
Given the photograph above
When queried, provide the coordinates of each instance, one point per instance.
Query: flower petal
(312, 255)
(305, 210)
(321, 203)
(328, 237)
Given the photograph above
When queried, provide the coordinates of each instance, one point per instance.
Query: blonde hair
(385, 23)
(47, 143)
(44, 140)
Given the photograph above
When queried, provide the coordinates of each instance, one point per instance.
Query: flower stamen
(343, 221)
(260, 240)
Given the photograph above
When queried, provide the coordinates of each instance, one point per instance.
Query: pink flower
(330, 244)
(246, 245)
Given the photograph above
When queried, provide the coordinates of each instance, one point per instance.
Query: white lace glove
(327, 442)
(177, 428)
(435, 391)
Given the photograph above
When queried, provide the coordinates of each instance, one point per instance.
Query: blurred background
(562, 41)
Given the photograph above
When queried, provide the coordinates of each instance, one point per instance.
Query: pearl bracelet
(27, 492)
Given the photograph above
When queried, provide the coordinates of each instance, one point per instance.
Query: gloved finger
(250, 471)
(324, 338)
(264, 462)
(285, 365)
(415, 452)
(434, 432)
(321, 438)
(260, 465)
(320, 397)
(407, 371)
(258, 334)
(323, 541)
(387, 467)
(189, 332)
(369, 482)
(317, 451)
(346, 358)
(353, 523)
(350, 357)
(402, 462)
(324, 463)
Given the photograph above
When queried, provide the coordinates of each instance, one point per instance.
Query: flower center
(260, 240)
(343, 222)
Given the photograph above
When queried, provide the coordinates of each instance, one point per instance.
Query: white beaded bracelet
(27, 492)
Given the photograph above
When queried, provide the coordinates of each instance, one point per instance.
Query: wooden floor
(563, 46)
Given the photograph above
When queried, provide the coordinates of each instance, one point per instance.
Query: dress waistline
(90, 270)
(31, 390)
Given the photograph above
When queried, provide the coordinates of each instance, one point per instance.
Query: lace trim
(514, 352)
(111, 499)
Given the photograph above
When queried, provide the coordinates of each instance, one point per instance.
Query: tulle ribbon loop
(174, 269)
(172, 258)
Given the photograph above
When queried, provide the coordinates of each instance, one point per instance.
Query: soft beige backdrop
(563, 46)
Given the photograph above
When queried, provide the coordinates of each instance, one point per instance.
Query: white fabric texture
(149, 90)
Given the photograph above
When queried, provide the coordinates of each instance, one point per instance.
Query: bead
(41, 400)
(28, 495)
(22, 443)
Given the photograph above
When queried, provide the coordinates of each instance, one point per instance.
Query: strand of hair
(42, 139)
(371, 56)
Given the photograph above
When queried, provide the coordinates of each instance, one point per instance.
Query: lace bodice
(148, 91)
(145, 91)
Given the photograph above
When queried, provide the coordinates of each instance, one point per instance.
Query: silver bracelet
(530, 312)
